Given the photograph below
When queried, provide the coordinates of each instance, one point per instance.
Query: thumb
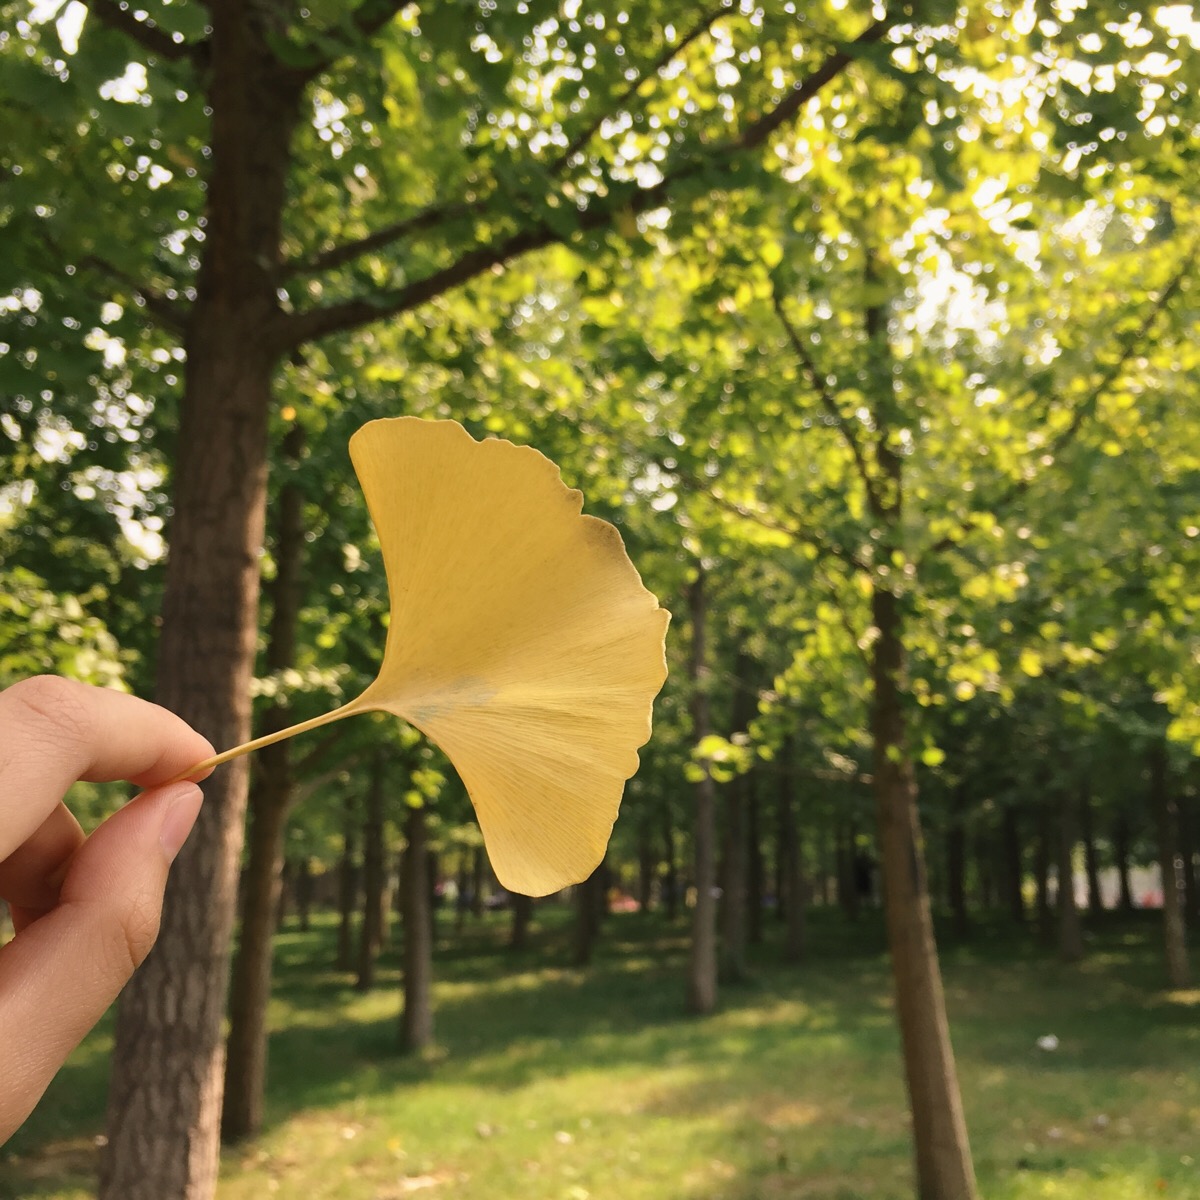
(59, 974)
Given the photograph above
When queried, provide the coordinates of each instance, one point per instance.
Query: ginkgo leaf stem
(269, 739)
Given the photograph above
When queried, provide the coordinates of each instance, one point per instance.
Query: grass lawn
(556, 1083)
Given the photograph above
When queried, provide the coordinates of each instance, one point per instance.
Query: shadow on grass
(798, 1064)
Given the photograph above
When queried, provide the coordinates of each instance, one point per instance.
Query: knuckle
(55, 702)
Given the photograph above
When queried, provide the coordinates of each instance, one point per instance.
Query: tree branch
(426, 218)
(1086, 407)
(363, 24)
(168, 312)
(339, 316)
(119, 15)
(586, 134)
(796, 533)
(829, 403)
(439, 214)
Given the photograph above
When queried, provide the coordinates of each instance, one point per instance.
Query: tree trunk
(1121, 852)
(589, 909)
(646, 866)
(250, 986)
(1014, 872)
(943, 1156)
(754, 864)
(478, 874)
(733, 893)
(168, 1061)
(1041, 871)
(416, 1021)
(702, 960)
(1070, 931)
(670, 869)
(1187, 853)
(984, 844)
(374, 891)
(793, 889)
(1162, 802)
(304, 893)
(271, 801)
(347, 886)
(956, 862)
(283, 897)
(522, 916)
(1091, 860)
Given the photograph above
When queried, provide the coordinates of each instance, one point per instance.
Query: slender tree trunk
(283, 897)
(1121, 852)
(956, 862)
(374, 898)
(943, 1156)
(985, 857)
(1091, 859)
(347, 886)
(754, 864)
(1070, 931)
(250, 988)
(671, 885)
(1014, 872)
(829, 874)
(1187, 853)
(588, 910)
(733, 894)
(168, 1062)
(702, 961)
(416, 1020)
(1162, 803)
(792, 896)
(478, 875)
(304, 890)
(646, 867)
(270, 803)
(522, 916)
(1041, 871)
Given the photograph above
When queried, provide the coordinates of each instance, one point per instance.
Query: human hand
(86, 911)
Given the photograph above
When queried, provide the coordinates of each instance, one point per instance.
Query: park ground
(553, 1082)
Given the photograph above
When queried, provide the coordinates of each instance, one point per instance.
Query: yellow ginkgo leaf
(521, 641)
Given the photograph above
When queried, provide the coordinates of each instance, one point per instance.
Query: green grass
(555, 1083)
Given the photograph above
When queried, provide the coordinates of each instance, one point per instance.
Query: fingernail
(182, 810)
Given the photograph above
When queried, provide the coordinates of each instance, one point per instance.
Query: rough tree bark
(702, 957)
(416, 1019)
(168, 1061)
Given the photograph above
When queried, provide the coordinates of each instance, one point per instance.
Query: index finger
(54, 731)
